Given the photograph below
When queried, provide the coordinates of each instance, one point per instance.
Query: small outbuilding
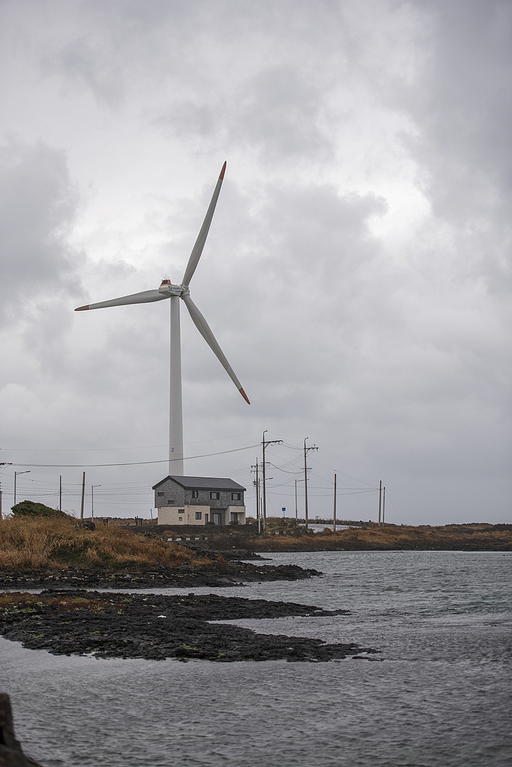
(199, 501)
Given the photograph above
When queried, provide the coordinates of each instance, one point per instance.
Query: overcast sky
(357, 272)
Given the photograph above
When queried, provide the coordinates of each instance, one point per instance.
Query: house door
(216, 517)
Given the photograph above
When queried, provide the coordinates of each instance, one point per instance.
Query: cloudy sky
(357, 272)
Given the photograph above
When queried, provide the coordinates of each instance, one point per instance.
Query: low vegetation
(39, 542)
(34, 509)
(288, 537)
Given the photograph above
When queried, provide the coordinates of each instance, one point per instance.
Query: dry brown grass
(477, 537)
(33, 544)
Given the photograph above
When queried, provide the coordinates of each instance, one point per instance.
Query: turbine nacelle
(167, 289)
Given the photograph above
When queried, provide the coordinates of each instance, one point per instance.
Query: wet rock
(156, 627)
(11, 753)
(229, 574)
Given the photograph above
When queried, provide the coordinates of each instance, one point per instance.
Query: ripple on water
(440, 698)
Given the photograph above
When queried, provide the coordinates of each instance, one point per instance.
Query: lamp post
(2, 463)
(92, 499)
(17, 474)
(306, 451)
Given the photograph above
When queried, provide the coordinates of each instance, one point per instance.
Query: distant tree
(33, 509)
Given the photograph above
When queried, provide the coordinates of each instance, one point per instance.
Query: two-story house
(199, 500)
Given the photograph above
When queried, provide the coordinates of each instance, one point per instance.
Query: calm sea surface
(440, 696)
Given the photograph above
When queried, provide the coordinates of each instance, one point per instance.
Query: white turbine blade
(203, 233)
(204, 329)
(146, 297)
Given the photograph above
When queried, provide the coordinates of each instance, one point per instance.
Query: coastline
(224, 574)
(156, 627)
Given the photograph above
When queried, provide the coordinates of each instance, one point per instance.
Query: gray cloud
(339, 121)
(38, 205)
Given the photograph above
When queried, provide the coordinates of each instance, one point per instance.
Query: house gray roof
(203, 483)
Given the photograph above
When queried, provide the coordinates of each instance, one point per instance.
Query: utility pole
(60, 492)
(256, 483)
(264, 445)
(334, 510)
(306, 451)
(383, 503)
(83, 499)
(380, 500)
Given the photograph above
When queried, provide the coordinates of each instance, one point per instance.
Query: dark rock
(220, 574)
(11, 754)
(152, 626)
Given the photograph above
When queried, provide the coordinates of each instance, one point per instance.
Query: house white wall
(187, 515)
(240, 514)
(184, 515)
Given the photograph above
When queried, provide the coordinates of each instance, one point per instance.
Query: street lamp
(2, 463)
(92, 499)
(17, 474)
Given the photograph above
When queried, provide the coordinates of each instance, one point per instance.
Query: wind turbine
(174, 293)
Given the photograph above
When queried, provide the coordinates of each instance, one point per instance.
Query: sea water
(439, 694)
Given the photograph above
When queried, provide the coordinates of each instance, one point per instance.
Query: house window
(160, 493)
(235, 496)
(180, 519)
(199, 515)
(181, 511)
(215, 496)
(206, 518)
(195, 494)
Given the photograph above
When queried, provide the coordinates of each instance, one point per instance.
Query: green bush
(33, 509)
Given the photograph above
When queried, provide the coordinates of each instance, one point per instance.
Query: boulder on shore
(11, 754)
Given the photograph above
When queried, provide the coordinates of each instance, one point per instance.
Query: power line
(130, 463)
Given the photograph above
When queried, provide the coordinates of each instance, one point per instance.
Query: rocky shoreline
(156, 627)
(218, 575)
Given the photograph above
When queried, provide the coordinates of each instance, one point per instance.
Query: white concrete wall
(239, 511)
(169, 515)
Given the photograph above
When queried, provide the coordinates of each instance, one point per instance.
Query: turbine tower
(174, 293)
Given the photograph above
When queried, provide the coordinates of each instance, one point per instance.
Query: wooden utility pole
(334, 511)
(380, 499)
(256, 484)
(60, 492)
(306, 451)
(383, 503)
(264, 444)
(83, 499)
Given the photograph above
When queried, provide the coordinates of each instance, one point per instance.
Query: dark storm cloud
(355, 272)
(38, 205)
(462, 104)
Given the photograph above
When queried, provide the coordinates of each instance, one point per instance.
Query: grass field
(30, 543)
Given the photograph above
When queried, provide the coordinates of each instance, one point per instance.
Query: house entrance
(216, 517)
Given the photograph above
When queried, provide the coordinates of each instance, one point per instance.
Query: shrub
(33, 509)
